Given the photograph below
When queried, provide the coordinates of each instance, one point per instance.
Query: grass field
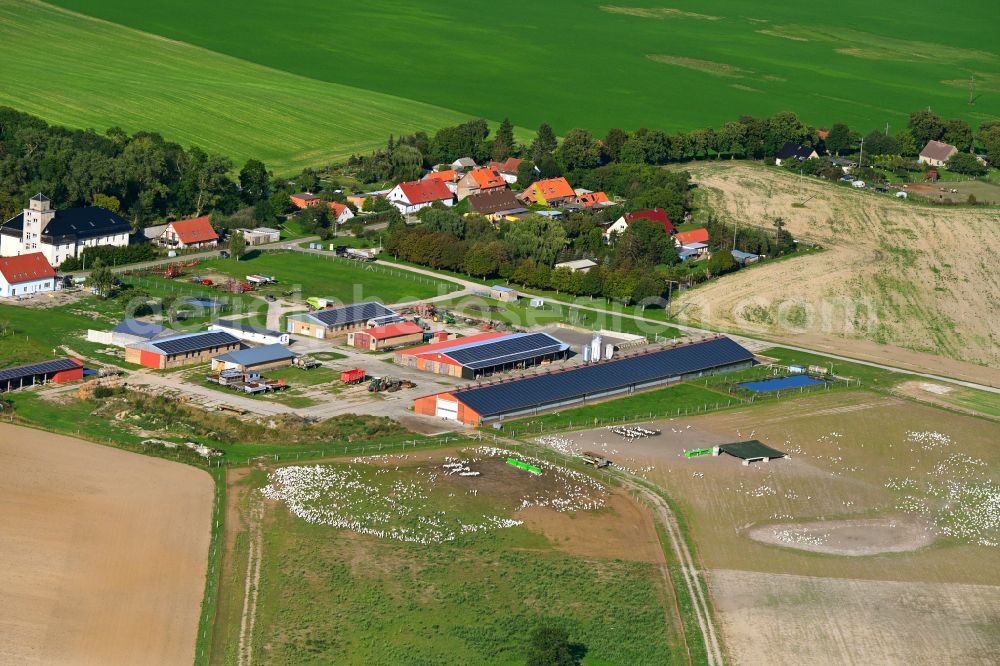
(246, 78)
(473, 599)
(331, 277)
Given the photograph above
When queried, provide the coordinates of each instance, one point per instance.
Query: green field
(305, 84)
(425, 598)
(331, 277)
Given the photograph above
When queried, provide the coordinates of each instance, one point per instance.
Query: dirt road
(104, 553)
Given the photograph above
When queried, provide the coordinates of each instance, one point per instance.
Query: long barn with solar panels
(485, 355)
(485, 403)
(56, 371)
(179, 350)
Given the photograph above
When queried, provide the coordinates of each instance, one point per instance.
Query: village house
(549, 192)
(463, 164)
(508, 168)
(494, 202)
(478, 181)
(341, 213)
(682, 238)
(194, 232)
(414, 195)
(62, 234)
(657, 215)
(937, 153)
(25, 275)
(449, 177)
(303, 199)
(589, 199)
(693, 251)
(794, 151)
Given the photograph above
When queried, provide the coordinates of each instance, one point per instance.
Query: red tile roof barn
(424, 191)
(693, 236)
(25, 268)
(655, 214)
(195, 230)
(394, 330)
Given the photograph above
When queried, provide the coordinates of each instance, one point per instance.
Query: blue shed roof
(141, 329)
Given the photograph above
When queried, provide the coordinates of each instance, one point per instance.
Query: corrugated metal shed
(567, 385)
(511, 349)
(23, 371)
(140, 329)
(189, 342)
(257, 355)
(351, 314)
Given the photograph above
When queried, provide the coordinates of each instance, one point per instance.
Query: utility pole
(972, 90)
(861, 158)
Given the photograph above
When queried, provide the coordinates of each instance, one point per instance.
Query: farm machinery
(305, 363)
(355, 376)
(595, 459)
(390, 384)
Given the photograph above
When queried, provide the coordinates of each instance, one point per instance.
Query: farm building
(937, 153)
(195, 232)
(549, 192)
(794, 151)
(480, 356)
(249, 333)
(387, 337)
(744, 258)
(693, 251)
(577, 265)
(255, 359)
(179, 350)
(58, 371)
(562, 388)
(341, 213)
(750, 451)
(414, 195)
(62, 234)
(478, 181)
(25, 275)
(657, 215)
(505, 294)
(493, 201)
(129, 331)
(341, 320)
(261, 235)
(463, 164)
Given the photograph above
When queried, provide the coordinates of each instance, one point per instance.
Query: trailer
(359, 255)
(595, 459)
(305, 363)
(260, 280)
(355, 376)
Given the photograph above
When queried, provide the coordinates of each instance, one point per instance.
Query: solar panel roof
(57, 365)
(511, 349)
(351, 314)
(568, 384)
(190, 342)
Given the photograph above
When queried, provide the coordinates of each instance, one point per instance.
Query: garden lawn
(331, 277)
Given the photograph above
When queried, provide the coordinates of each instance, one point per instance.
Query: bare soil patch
(897, 282)
(105, 553)
(624, 530)
(779, 619)
(852, 538)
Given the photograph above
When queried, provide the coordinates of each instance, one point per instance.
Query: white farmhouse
(411, 197)
(25, 275)
(62, 234)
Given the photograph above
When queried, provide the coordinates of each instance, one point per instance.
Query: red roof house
(383, 337)
(414, 195)
(304, 199)
(478, 181)
(26, 274)
(591, 199)
(195, 232)
(657, 215)
(550, 192)
(693, 236)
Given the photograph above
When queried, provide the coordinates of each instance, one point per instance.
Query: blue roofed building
(255, 359)
(486, 403)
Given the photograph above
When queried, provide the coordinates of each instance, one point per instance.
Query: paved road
(699, 332)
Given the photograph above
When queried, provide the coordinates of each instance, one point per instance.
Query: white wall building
(25, 275)
(61, 234)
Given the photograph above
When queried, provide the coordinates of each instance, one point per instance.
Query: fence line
(341, 450)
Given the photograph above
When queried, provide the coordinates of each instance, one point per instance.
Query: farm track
(252, 589)
(688, 568)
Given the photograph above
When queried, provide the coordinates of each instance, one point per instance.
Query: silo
(595, 348)
(609, 351)
(585, 349)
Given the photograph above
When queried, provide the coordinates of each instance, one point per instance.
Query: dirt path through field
(104, 553)
(916, 279)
